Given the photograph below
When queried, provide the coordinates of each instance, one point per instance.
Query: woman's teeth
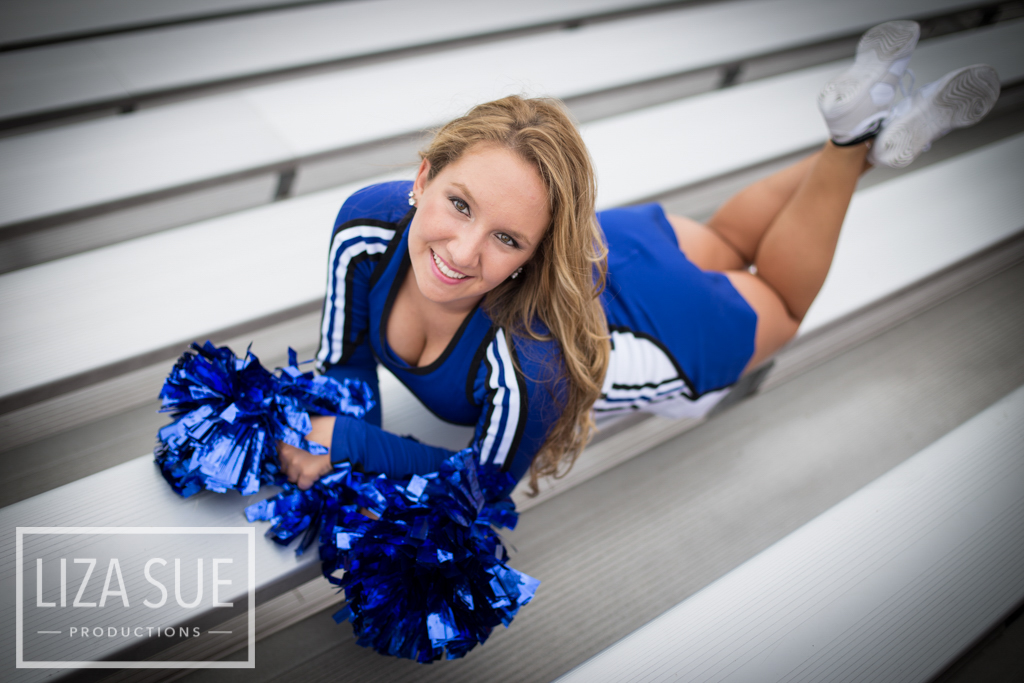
(448, 272)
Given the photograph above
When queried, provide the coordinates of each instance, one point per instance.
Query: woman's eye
(507, 240)
(460, 205)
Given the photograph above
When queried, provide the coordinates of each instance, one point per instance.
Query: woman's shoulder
(383, 203)
(538, 353)
(528, 350)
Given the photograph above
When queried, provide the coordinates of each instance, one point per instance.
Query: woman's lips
(444, 272)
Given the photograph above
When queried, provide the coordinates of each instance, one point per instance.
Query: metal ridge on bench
(34, 24)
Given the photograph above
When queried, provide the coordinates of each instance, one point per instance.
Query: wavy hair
(561, 283)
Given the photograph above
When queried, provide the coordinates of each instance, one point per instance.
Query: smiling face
(476, 222)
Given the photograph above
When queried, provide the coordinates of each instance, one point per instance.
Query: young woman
(489, 287)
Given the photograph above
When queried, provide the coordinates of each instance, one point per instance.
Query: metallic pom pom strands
(230, 411)
(427, 579)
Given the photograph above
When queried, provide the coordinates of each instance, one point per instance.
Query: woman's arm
(361, 443)
(517, 408)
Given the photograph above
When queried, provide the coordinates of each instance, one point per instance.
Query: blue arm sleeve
(364, 443)
(379, 451)
(518, 407)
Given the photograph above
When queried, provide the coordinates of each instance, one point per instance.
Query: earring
(516, 274)
(412, 199)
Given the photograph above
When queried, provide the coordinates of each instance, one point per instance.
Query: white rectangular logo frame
(249, 663)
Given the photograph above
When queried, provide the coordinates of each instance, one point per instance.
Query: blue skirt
(678, 332)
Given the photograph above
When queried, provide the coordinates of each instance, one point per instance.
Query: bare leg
(731, 237)
(787, 225)
(729, 240)
(795, 251)
(744, 218)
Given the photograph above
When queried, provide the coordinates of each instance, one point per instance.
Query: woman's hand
(302, 467)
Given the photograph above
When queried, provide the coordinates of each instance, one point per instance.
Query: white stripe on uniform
(502, 381)
(331, 349)
(642, 376)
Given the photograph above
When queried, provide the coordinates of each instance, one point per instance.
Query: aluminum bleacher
(121, 177)
(120, 70)
(889, 585)
(91, 334)
(970, 183)
(635, 154)
(26, 24)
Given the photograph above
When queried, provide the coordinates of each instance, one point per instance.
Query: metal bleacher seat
(119, 177)
(48, 21)
(120, 70)
(890, 584)
(93, 333)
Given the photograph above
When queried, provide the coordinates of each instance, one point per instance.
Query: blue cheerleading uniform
(679, 337)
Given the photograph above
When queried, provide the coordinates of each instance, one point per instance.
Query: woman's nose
(465, 249)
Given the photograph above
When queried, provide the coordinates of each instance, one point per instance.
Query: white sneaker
(856, 101)
(960, 98)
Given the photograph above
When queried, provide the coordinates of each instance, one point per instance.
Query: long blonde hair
(561, 283)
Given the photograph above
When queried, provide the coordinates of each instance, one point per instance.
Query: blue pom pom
(428, 578)
(424, 571)
(230, 412)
